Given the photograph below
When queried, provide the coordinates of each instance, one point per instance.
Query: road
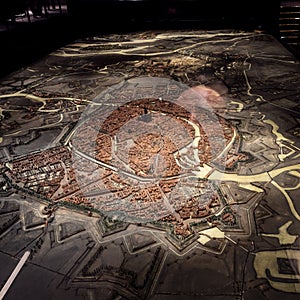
(14, 274)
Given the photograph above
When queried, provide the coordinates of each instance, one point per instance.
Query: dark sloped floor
(23, 43)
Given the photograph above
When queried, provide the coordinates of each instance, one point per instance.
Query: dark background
(27, 39)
